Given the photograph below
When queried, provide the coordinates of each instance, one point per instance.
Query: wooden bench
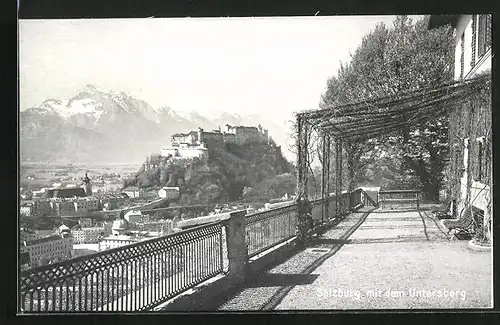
(462, 225)
(443, 212)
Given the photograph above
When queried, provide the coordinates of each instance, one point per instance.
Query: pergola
(364, 120)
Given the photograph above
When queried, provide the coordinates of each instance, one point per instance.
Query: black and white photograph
(241, 164)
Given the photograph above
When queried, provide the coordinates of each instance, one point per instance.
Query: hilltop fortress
(194, 143)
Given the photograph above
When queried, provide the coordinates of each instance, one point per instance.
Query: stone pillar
(236, 246)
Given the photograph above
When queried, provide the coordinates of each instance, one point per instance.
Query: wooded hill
(250, 172)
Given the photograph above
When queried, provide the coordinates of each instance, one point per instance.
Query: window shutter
(473, 42)
(488, 31)
(481, 42)
(462, 46)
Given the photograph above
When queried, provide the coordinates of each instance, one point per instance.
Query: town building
(470, 127)
(108, 226)
(40, 193)
(116, 241)
(133, 216)
(74, 205)
(160, 228)
(64, 192)
(133, 192)
(27, 235)
(120, 235)
(109, 201)
(185, 138)
(26, 209)
(48, 249)
(87, 235)
(44, 233)
(243, 134)
(85, 222)
(169, 192)
(86, 204)
(185, 151)
(41, 207)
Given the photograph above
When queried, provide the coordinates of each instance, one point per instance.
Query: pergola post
(338, 175)
(325, 177)
(304, 223)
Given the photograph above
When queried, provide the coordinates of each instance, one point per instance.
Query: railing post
(236, 245)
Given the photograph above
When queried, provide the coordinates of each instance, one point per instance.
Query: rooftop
(184, 134)
(64, 192)
(131, 188)
(42, 240)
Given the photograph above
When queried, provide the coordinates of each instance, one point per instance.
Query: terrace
(254, 262)
(156, 273)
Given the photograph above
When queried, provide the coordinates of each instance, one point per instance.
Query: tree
(405, 57)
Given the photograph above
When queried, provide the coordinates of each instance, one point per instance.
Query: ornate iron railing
(269, 228)
(399, 198)
(136, 277)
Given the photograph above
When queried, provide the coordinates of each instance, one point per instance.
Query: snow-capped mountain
(106, 126)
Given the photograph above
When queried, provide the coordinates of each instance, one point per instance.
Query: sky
(270, 66)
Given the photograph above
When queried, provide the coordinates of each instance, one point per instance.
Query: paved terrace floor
(377, 260)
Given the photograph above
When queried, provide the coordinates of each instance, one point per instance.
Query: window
(483, 34)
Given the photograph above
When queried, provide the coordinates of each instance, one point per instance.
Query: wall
(480, 192)
(190, 138)
(169, 192)
(193, 152)
(88, 235)
(212, 136)
(464, 26)
(58, 247)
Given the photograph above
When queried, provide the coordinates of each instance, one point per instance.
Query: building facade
(48, 249)
(243, 134)
(42, 207)
(183, 151)
(62, 205)
(133, 216)
(26, 210)
(27, 235)
(115, 241)
(169, 192)
(133, 192)
(87, 235)
(85, 222)
(193, 144)
(184, 138)
(470, 167)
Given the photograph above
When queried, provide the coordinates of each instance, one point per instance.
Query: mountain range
(97, 126)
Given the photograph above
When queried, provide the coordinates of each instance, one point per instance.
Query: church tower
(86, 185)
